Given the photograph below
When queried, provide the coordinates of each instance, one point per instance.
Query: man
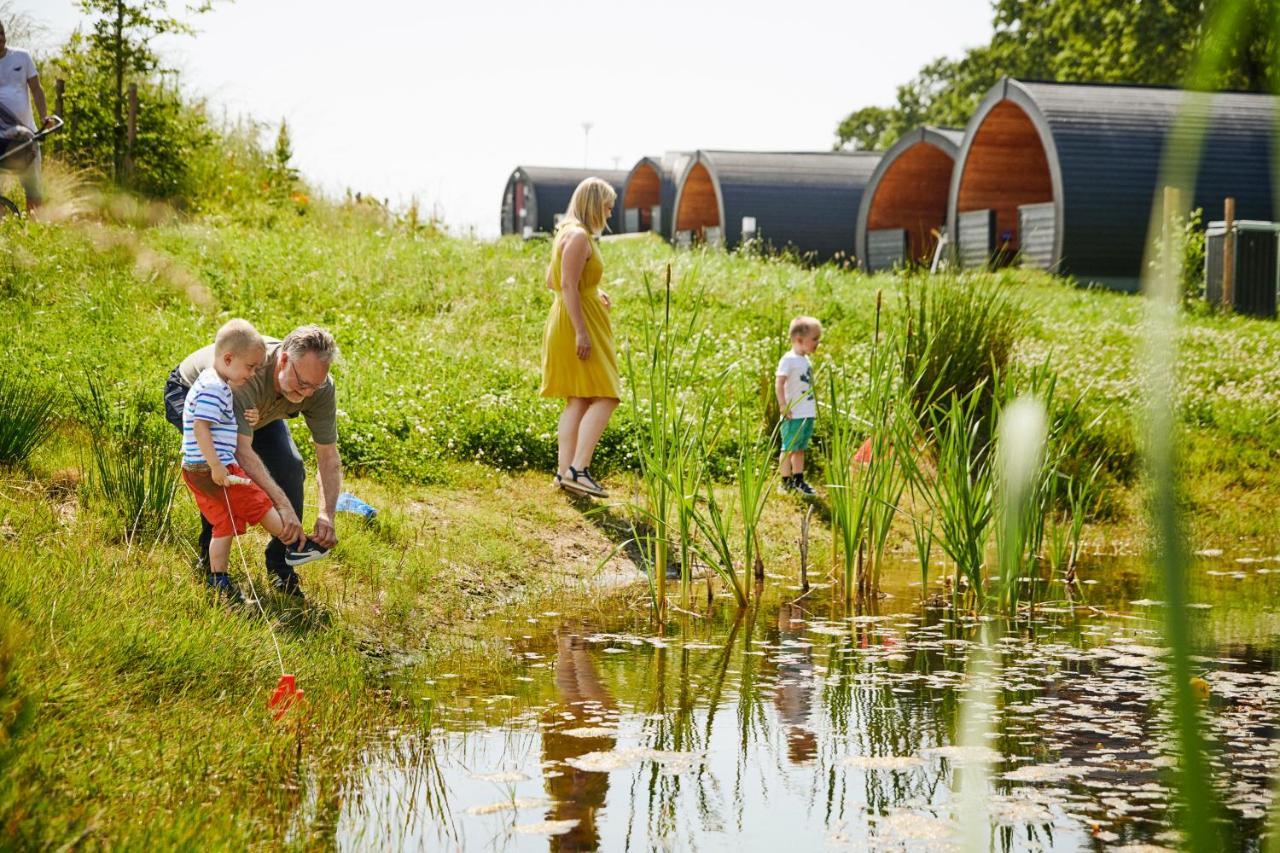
(293, 380)
(17, 77)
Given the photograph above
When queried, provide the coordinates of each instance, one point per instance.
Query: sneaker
(583, 483)
(788, 485)
(803, 488)
(284, 580)
(223, 589)
(307, 553)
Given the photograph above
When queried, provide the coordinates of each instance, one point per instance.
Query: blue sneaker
(223, 588)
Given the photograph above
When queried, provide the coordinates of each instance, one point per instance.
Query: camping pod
(807, 202)
(537, 196)
(904, 207)
(649, 193)
(1063, 176)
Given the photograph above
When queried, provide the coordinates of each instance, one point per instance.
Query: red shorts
(248, 504)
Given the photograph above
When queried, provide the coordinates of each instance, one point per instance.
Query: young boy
(794, 388)
(222, 491)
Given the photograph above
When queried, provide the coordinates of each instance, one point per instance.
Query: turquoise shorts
(796, 433)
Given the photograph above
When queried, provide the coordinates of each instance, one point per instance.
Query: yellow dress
(563, 373)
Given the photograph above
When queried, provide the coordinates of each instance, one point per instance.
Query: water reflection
(797, 724)
(584, 704)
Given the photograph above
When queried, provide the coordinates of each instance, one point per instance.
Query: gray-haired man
(294, 380)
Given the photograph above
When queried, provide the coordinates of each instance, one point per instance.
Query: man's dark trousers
(274, 445)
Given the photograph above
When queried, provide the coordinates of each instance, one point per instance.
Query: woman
(578, 360)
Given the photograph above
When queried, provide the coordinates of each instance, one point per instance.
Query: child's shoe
(788, 484)
(802, 487)
(309, 552)
(223, 589)
(284, 580)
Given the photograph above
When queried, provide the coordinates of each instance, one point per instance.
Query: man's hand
(290, 527)
(218, 472)
(251, 417)
(324, 534)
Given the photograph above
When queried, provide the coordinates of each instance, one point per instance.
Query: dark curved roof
(804, 200)
(1105, 145)
(947, 139)
(553, 186)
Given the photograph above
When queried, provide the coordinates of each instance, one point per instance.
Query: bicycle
(24, 152)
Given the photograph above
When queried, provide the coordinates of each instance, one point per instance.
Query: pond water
(798, 726)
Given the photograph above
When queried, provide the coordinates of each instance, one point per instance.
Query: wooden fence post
(1229, 255)
(131, 133)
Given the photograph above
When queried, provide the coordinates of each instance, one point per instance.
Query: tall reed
(848, 506)
(670, 426)
(134, 471)
(959, 493)
(26, 417)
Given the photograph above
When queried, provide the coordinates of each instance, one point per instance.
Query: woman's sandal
(583, 483)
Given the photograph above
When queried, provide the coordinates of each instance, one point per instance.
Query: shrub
(957, 335)
(26, 417)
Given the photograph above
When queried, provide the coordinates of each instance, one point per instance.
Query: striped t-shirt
(209, 400)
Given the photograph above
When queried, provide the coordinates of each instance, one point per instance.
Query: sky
(441, 101)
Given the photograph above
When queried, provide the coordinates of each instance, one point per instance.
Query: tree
(1148, 42)
(120, 44)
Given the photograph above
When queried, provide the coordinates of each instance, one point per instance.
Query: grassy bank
(131, 711)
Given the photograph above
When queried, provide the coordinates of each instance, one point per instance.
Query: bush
(26, 417)
(957, 336)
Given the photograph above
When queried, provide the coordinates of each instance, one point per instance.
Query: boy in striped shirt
(225, 495)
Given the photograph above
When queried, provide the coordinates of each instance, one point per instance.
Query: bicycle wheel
(7, 208)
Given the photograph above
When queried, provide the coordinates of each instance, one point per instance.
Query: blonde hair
(586, 206)
(237, 337)
(805, 326)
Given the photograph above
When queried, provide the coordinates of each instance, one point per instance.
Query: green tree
(282, 175)
(120, 45)
(1152, 42)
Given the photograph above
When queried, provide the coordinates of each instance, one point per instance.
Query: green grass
(133, 704)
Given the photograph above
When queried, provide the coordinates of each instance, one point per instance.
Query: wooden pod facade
(649, 193)
(804, 201)
(536, 196)
(905, 203)
(1064, 175)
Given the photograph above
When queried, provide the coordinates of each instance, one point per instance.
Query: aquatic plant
(670, 426)
(959, 493)
(848, 502)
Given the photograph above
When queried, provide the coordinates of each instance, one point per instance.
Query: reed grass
(133, 473)
(27, 412)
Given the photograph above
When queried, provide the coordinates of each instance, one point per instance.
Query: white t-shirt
(16, 68)
(799, 387)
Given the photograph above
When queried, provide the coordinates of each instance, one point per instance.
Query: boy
(794, 388)
(225, 496)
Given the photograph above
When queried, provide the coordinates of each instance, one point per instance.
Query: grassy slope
(149, 704)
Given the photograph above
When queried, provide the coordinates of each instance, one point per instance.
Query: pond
(795, 724)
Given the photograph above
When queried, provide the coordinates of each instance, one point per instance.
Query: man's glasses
(300, 382)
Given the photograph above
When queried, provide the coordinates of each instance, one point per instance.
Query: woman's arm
(573, 259)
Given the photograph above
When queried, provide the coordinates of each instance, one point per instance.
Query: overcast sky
(442, 100)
